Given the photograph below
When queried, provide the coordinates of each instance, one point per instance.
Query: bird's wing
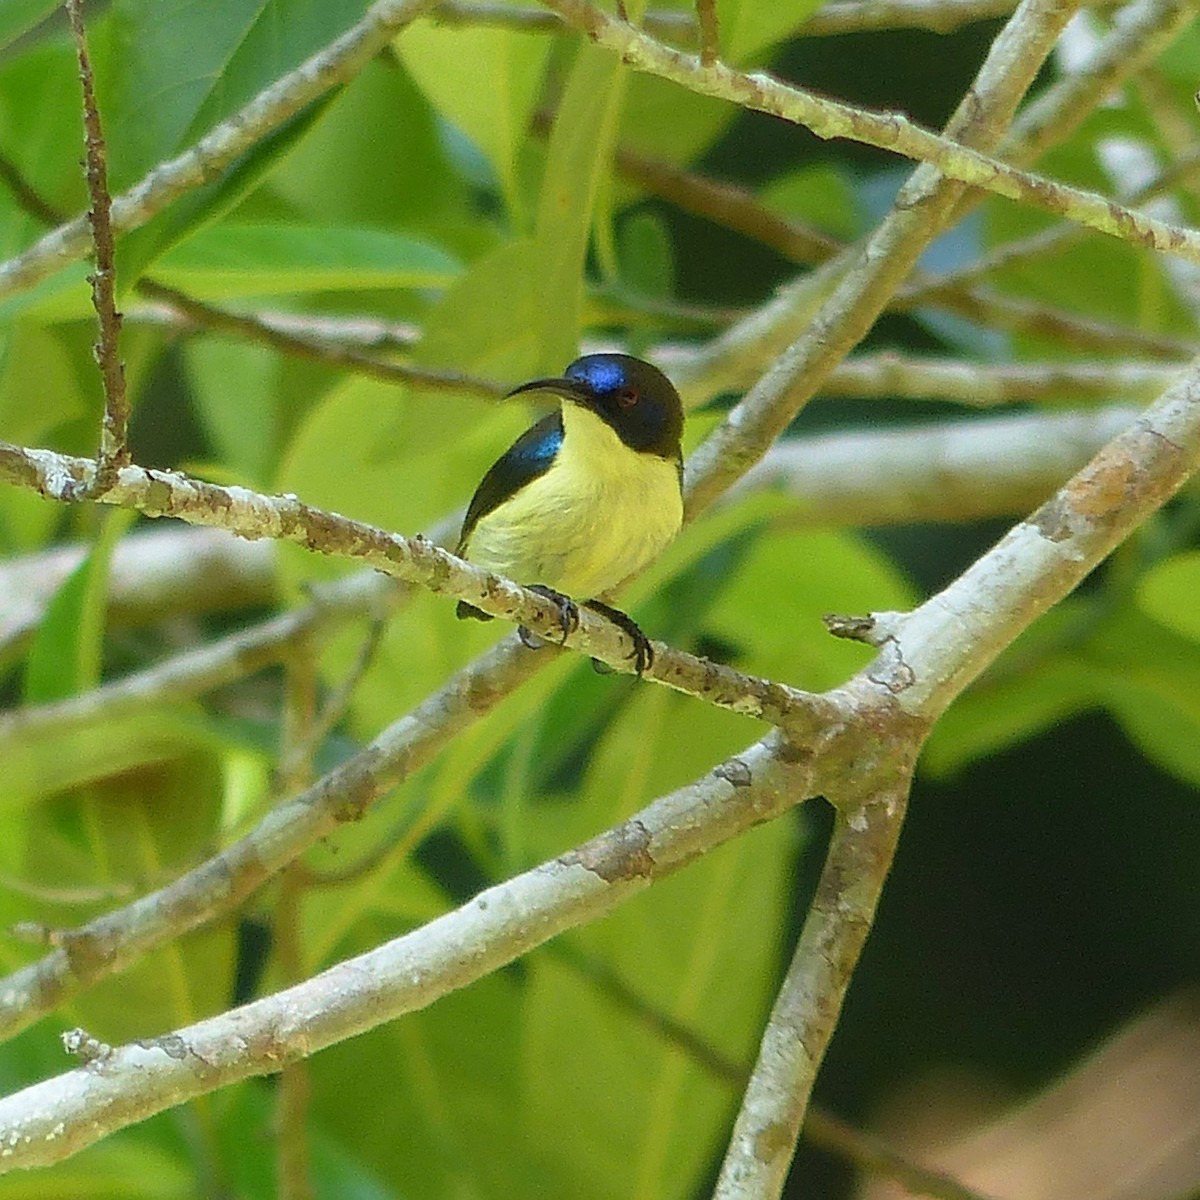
(527, 458)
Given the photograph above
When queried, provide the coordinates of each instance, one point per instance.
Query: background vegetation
(332, 315)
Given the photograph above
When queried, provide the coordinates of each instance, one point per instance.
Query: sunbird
(586, 497)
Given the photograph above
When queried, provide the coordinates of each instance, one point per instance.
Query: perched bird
(588, 495)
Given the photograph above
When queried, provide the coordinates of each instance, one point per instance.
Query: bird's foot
(568, 616)
(643, 652)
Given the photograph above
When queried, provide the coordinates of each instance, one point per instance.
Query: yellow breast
(599, 514)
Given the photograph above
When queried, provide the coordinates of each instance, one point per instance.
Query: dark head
(637, 400)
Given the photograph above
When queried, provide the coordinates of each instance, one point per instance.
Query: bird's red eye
(627, 397)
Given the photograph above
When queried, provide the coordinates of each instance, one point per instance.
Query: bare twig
(114, 446)
(1045, 242)
(316, 348)
(293, 1167)
(334, 706)
(706, 18)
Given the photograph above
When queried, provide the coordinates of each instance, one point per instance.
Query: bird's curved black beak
(568, 389)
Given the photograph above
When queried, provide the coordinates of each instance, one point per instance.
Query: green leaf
(237, 393)
(486, 321)
(135, 1166)
(18, 17)
(664, 121)
(1168, 592)
(487, 82)
(40, 116)
(177, 69)
(342, 173)
(35, 362)
(1002, 710)
(643, 1120)
(819, 195)
(1161, 714)
(1152, 687)
(240, 260)
(647, 261)
(39, 762)
(581, 147)
(65, 656)
(174, 71)
(771, 610)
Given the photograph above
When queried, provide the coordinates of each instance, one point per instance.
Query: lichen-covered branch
(413, 560)
(886, 131)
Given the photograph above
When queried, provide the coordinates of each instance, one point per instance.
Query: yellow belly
(598, 515)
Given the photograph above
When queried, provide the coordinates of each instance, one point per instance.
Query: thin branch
(890, 375)
(1045, 242)
(809, 1003)
(293, 1166)
(887, 131)
(154, 573)
(678, 26)
(706, 19)
(222, 145)
(315, 348)
(334, 707)
(952, 471)
(413, 560)
(114, 444)
(935, 16)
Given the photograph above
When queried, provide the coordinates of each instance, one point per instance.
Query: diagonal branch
(410, 559)
(887, 131)
(54, 1119)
